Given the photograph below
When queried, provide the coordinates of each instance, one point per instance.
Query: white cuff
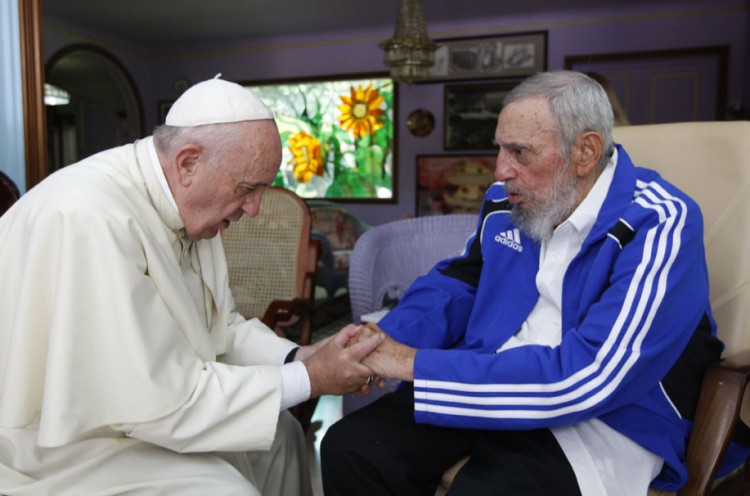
(295, 384)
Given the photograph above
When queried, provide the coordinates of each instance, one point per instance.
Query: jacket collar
(618, 199)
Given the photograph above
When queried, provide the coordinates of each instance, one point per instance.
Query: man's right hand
(335, 368)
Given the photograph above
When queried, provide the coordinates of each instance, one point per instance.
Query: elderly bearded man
(563, 351)
(124, 367)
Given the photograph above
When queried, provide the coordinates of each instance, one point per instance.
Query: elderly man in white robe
(124, 367)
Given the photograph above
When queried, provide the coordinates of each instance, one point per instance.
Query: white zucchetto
(216, 101)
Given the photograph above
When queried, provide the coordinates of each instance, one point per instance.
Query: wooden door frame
(32, 85)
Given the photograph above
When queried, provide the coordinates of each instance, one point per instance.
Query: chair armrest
(717, 413)
(287, 312)
(737, 361)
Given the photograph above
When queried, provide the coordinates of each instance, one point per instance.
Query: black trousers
(381, 450)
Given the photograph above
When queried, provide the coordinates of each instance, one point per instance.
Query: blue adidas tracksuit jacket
(637, 330)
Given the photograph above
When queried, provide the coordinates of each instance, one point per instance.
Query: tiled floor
(326, 414)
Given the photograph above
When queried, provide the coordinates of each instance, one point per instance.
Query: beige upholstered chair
(711, 162)
(272, 262)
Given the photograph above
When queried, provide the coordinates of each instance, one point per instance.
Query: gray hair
(216, 139)
(577, 102)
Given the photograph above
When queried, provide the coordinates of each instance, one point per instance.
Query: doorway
(104, 110)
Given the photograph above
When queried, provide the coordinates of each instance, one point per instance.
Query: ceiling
(169, 24)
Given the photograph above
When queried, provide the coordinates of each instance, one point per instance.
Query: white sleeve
(295, 384)
(250, 342)
(295, 381)
(232, 408)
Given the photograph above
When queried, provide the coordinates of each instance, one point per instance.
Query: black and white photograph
(471, 112)
(516, 55)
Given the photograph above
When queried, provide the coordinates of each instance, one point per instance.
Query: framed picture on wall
(453, 184)
(338, 136)
(490, 57)
(471, 112)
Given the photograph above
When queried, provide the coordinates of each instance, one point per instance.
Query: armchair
(710, 161)
(389, 257)
(272, 260)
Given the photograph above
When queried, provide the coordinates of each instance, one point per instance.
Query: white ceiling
(168, 24)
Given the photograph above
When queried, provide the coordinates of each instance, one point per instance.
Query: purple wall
(624, 30)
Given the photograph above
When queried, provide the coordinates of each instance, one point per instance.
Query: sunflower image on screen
(336, 135)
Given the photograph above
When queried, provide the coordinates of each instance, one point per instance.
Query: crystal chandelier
(409, 52)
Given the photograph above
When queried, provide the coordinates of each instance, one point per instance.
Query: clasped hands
(355, 358)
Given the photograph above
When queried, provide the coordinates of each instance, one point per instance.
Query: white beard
(540, 222)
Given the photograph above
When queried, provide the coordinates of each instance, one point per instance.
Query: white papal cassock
(114, 376)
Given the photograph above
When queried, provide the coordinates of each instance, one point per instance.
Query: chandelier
(409, 52)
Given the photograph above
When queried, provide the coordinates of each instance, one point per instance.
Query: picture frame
(163, 110)
(471, 112)
(453, 184)
(490, 57)
(338, 136)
